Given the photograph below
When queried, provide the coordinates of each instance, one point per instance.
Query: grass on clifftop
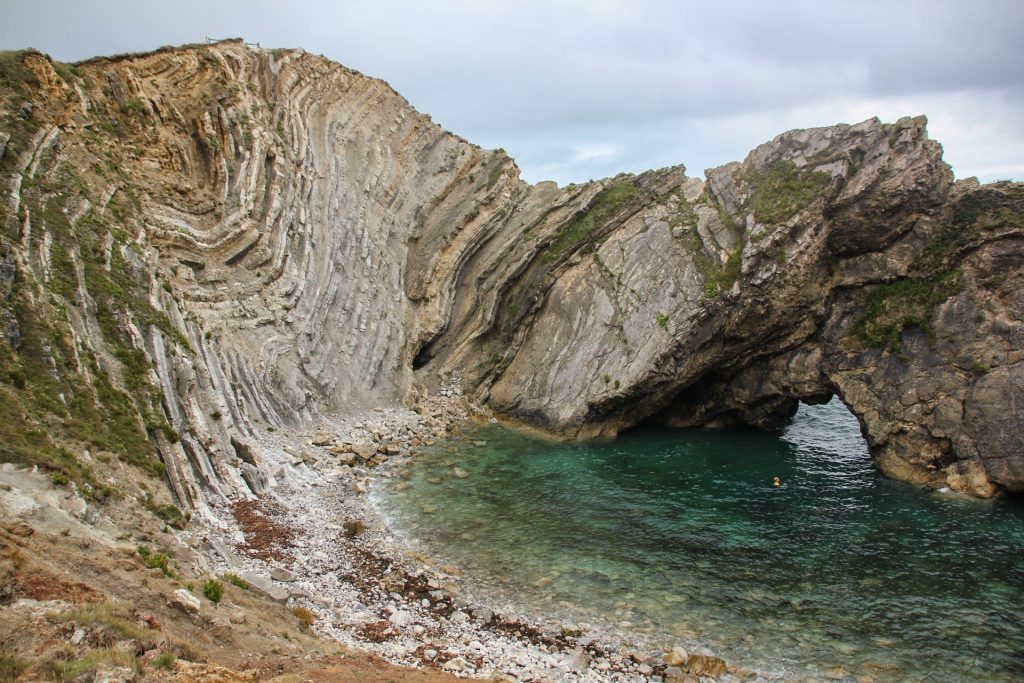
(607, 202)
(783, 191)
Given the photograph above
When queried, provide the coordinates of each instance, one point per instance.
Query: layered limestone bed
(203, 244)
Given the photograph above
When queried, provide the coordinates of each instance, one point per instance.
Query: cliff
(205, 243)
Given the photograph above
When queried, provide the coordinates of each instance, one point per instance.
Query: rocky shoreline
(315, 540)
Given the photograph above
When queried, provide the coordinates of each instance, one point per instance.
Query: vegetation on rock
(783, 190)
(213, 590)
(603, 207)
(935, 275)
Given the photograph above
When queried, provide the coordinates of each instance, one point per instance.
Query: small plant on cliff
(662, 319)
(134, 106)
(492, 177)
(685, 216)
(59, 479)
(213, 590)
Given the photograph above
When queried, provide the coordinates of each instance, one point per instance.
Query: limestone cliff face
(220, 240)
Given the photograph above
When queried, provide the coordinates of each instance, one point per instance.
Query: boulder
(456, 665)
(282, 574)
(254, 478)
(108, 673)
(245, 450)
(364, 451)
(263, 585)
(400, 618)
(185, 601)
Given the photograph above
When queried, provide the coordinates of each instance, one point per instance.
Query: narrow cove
(667, 537)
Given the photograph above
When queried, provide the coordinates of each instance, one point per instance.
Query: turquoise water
(662, 537)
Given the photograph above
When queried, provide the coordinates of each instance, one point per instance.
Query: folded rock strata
(207, 241)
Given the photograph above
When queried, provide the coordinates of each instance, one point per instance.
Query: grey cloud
(585, 89)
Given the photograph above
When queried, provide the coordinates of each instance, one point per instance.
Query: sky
(576, 90)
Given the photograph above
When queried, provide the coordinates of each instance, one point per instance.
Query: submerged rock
(677, 656)
(577, 661)
(706, 665)
(354, 527)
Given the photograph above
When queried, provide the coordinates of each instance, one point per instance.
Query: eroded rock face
(287, 237)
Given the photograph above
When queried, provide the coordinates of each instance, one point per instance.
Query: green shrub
(213, 590)
(171, 514)
(156, 561)
(134, 106)
(662, 319)
(11, 667)
(237, 581)
(81, 668)
(59, 479)
(164, 661)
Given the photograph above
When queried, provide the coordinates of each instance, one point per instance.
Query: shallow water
(663, 537)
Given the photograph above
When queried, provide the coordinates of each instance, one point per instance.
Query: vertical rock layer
(219, 239)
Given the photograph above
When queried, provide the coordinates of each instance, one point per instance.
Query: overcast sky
(579, 90)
